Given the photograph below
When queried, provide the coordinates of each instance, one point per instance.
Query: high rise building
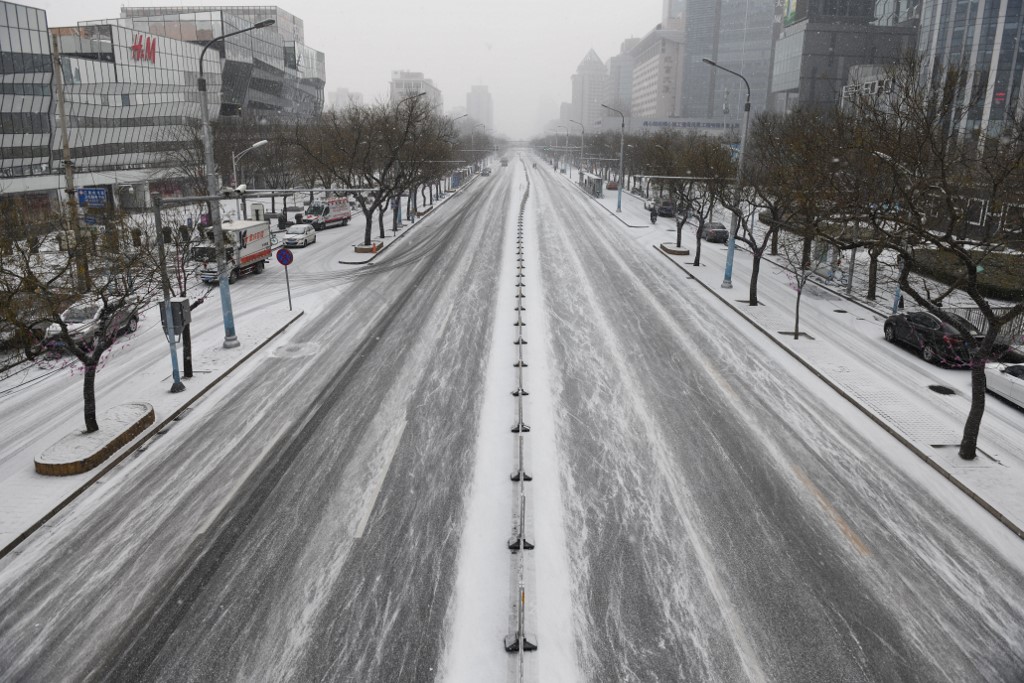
(26, 97)
(985, 38)
(131, 96)
(410, 83)
(588, 91)
(819, 41)
(267, 73)
(657, 77)
(343, 97)
(480, 106)
(619, 88)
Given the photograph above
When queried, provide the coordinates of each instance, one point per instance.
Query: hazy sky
(523, 50)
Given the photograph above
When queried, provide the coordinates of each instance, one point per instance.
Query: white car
(299, 235)
(1006, 380)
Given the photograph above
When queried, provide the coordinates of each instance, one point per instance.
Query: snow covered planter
(670, 248)
(371, 248)
(81, 451)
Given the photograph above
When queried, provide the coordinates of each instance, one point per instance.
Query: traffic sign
(284, 256)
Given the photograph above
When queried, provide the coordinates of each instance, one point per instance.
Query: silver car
(84, 322)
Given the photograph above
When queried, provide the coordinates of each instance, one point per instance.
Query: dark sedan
(937, 341)
(715, 232)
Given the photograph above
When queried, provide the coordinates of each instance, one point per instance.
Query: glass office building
(267, 73)
(986, 38)
(130, 97)
(26, 99)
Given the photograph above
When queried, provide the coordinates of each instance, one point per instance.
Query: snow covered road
(706, 508)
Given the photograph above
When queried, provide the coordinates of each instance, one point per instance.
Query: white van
(327, 213)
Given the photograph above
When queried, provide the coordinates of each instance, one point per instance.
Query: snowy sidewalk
(844, 348)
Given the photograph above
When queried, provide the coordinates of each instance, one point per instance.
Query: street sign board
(89, 220)
(284, 256)
(92, 197)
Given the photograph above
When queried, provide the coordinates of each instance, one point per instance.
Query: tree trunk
(799, 293)
(368, 234)
(872, 274)
(696, 252)
(89, 395)
(972, 427)
(679, 235)
(186, 350)
(775, 242)
(755, 268)
(380, 222)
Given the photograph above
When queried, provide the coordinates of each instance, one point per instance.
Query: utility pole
(77, 240)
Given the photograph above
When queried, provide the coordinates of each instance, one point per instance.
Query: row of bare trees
(907, 174)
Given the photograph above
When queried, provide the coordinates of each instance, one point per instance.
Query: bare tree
(951, 187)
(39, 298)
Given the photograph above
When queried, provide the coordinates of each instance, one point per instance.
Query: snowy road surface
(725, 520)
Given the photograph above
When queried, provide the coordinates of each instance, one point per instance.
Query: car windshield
(204, 253)
(296, 229)
(963, 321)
(317, 210)
(79, 314)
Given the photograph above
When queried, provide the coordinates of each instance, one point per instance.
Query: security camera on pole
(230, 339)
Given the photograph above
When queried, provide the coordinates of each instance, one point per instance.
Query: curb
(614, 213)
(864, 409)
(139, 442)
(411, 226)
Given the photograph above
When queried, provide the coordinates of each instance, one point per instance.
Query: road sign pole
(284, 257)
(289, 286)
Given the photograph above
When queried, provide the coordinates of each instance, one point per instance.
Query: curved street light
(234, 172)
(622, 149)
(727, 281)
(230, 339)
(582, 133)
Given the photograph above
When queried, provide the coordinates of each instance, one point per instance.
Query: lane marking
(854, 539)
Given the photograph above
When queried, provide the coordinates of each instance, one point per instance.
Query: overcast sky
(523, 50)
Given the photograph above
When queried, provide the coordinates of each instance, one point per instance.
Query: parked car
(1006, 380)
(715, 232)
(279, 220)
(667, 208)
(299, 235)
(612, 185)
(85, 322)
(935, 340)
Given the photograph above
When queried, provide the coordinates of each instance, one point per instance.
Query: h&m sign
(144, 49)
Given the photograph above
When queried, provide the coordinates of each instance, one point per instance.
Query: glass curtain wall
(26, 99)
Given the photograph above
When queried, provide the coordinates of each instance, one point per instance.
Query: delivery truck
(246, 250)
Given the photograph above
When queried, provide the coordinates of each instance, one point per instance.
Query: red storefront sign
(144, 49)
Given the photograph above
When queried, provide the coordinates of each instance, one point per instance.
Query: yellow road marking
(856, 540)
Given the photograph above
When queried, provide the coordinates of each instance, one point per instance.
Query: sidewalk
(43, 404)
(844, 348)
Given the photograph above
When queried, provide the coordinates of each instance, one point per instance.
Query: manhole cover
(939, 389)
(839, 310)
(296, 350)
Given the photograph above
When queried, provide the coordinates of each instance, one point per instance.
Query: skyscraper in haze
(479, 106)
(588, 91)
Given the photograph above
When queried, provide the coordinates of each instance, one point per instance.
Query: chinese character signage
(92, 197)
(144, 49)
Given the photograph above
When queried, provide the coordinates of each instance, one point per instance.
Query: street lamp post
(165, 284)
(582, 133)
(234, 169)
(622, 150)
(230, 339)
(564, 150)
(472, 141)
(730, 252)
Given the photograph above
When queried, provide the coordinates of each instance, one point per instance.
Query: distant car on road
(667, 208)
(299, 235)
(715, 232)
(486, 171)
(935, 340)
(1006, 380)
